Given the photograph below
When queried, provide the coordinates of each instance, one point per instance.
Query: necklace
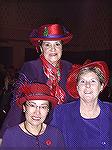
(30, 132)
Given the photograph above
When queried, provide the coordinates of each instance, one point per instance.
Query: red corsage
(48, 142)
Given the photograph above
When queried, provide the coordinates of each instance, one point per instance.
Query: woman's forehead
(39, 102)
(52, 41)
(89, 74)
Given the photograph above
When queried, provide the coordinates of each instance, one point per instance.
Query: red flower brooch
(48, 142)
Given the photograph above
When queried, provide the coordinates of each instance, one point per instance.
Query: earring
(41, 49)
(24, 110)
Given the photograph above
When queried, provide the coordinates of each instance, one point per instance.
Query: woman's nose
(37, 110)
(53, 48)
(87, 84)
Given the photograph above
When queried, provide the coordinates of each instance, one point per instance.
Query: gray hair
(96, 70)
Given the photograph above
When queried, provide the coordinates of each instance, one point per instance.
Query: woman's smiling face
(89, 87)
(36, 111)
(52, 51)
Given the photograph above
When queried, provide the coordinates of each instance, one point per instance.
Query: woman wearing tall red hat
(35, 101)
(48, 68)
(87, 122)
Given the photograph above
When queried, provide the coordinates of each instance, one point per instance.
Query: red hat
(50, 32)
(35, 91)
(72, 77)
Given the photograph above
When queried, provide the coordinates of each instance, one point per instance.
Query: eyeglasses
(49, 46)
(34, 106)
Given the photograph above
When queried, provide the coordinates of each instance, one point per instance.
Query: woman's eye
(47, 45)
(58, 44)
(82, 81)
(31, 105)
(44, 107)
(93, 81)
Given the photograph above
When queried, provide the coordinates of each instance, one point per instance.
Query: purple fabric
(15, 138)
(33, 71)
(84, 134)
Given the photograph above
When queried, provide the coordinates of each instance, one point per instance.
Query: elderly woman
(35, 100)
(87, 122)
(48, 68)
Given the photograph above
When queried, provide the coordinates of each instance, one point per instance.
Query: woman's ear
(41, 49)
(77, 87)
(101, 88)
(24, 109)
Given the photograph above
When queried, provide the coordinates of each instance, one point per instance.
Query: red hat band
(51, 31)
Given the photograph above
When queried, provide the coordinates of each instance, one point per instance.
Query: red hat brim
(72, 77)
(51, 99)
(35, 40)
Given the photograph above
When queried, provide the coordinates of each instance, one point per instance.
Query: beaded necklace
(30, 132)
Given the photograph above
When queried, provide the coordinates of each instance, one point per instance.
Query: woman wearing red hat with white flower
(49, 68)
(35, 100)
(87, 122)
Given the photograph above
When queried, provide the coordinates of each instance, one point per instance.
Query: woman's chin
(88, 99)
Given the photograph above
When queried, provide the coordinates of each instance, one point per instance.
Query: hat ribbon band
(37, 94)
(51, 36)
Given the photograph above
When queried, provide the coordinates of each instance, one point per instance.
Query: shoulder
(53, 129)
(12, 130)
(32, 62)
(31, 65)
(67, 107)
(65, 62)
(106, 106)
(66, 67)
(107, 103)
(64, 113)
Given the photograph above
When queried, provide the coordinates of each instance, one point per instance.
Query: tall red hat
(71, 84)
(50, 32)
(35, 91)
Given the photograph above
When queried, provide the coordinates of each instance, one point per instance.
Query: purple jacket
(84, 134)
(33, 71)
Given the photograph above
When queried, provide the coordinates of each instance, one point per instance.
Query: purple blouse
(15, 138)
